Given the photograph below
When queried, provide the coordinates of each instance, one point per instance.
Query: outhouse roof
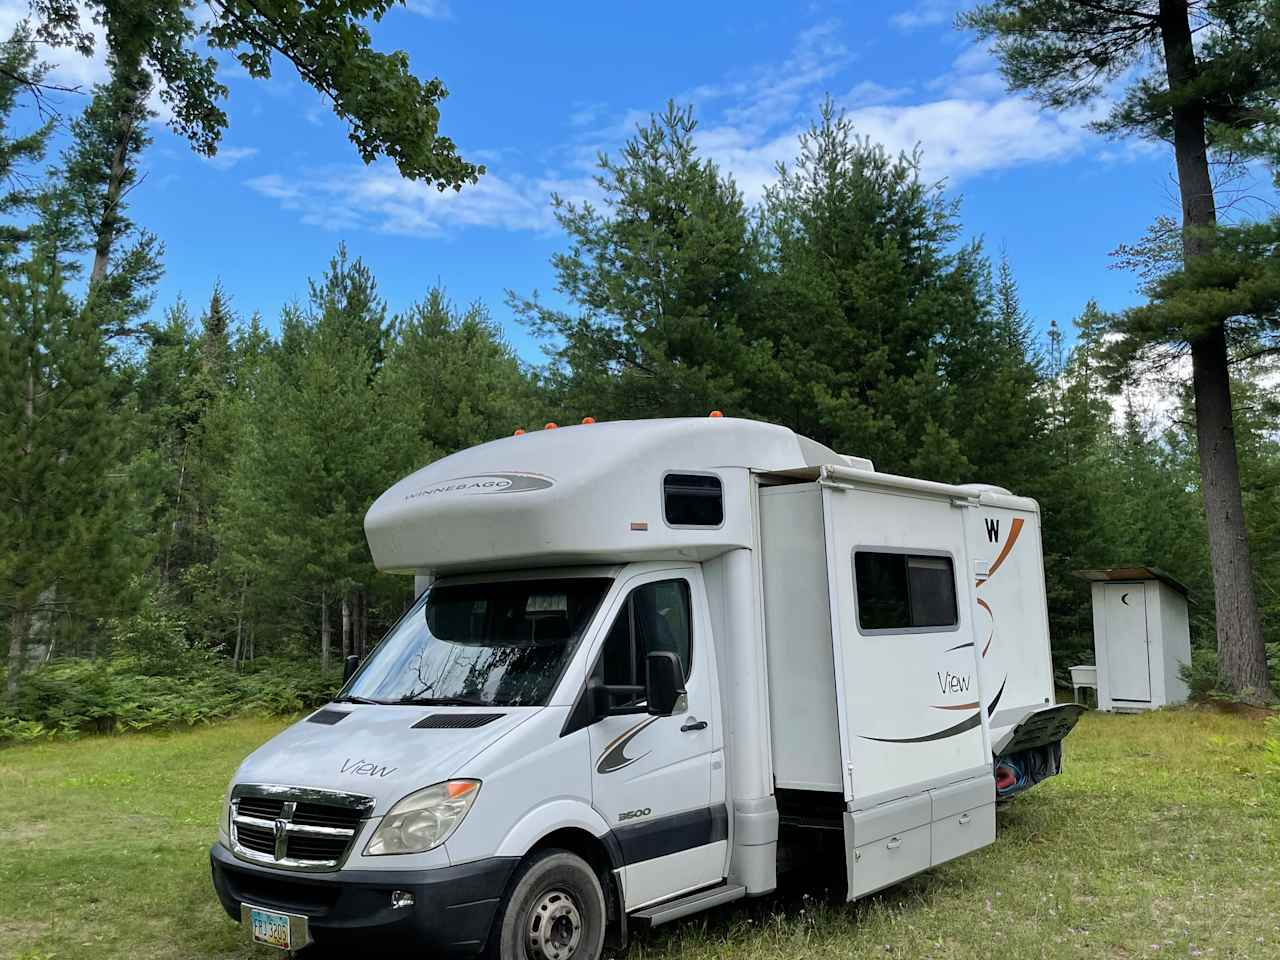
(1129, 573)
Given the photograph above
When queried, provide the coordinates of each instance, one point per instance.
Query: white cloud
(378, 198)
(585, 114)
(973, 74)
(964, 121)
(228, 157)
(770, 94)
(964, 137)
(431, 9)
(868, 92)
(972, 128)
(925, 13)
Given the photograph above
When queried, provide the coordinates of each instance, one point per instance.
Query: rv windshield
(503, 643)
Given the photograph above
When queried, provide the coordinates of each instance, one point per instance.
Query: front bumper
(452, 913)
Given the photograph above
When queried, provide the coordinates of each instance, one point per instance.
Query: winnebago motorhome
(651, 659)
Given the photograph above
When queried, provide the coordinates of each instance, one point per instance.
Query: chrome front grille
(295, 828)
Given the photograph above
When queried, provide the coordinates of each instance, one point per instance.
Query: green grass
(1161, 839)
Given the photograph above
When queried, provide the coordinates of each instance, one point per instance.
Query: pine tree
(1214, 93)
(451, 381)
(659, 283)
(345, 305)
(99, 168)
(997, 374)
(1080, 483)
(315, 453)
(64, 544)
(22, 151)
(861, 295)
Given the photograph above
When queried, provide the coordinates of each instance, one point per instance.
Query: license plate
(270, 928)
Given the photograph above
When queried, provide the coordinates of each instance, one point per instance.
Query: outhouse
(1141, 637)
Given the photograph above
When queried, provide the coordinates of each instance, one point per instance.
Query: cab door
(652, 777)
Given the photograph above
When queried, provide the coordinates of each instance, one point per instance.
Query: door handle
(693, 723)
(894, 843)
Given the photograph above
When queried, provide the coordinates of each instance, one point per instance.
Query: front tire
(555, 910)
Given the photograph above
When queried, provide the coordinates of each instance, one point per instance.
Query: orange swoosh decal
(956, 706)
(992, 635)
(1004, 552)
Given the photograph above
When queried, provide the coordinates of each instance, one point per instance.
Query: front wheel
(555, 911)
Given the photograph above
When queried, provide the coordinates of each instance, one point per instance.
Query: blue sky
(537, 91)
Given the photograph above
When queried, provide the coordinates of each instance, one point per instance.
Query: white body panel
(802, 679)
(1010, 612)
(645, 767)
(912, 700)
(583, 494)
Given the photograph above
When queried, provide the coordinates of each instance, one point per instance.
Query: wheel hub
(555, 927)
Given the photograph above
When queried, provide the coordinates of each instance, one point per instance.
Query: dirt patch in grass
(23, 832)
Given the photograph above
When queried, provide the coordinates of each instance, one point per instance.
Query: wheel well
(591, 849)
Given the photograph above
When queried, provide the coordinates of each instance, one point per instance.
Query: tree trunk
(324, 631)
(19, 622)
(105, 229)
(20, 619)
(177, 515)
(346, 626)
(1241, 653)
(235, 657)
(364, 624)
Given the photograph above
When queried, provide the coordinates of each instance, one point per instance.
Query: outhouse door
(1128, 646)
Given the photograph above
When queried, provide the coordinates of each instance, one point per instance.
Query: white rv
(650, 661)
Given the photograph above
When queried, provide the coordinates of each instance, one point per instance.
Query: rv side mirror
(349, 667)
(664, 683)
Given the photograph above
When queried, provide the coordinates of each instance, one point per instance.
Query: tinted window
(655, 617)
(898, 591)
(692, 500)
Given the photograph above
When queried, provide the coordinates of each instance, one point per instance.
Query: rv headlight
(423, 820)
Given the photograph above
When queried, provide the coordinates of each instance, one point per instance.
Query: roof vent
(455, 721)
(327, 717)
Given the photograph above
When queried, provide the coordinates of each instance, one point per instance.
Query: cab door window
(655, 617)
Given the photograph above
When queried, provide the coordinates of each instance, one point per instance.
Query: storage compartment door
(1128, 652)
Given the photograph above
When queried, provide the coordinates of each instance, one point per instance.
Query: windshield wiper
(356, 700)
(445, 702)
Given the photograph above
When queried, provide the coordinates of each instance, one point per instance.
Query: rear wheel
(555, 910)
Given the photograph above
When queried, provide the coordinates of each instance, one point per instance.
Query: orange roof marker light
(588, 419)
(519, 432)
(716, 413)
(551, 425)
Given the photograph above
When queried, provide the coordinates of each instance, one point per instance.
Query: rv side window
(655, 617)
(692, 500)
(900, 591)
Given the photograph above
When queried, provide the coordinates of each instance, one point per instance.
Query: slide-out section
(873, 674)
(804, 724)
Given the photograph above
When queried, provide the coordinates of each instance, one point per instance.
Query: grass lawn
(1161, 839)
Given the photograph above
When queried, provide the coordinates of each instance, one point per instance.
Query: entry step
(691, 903)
